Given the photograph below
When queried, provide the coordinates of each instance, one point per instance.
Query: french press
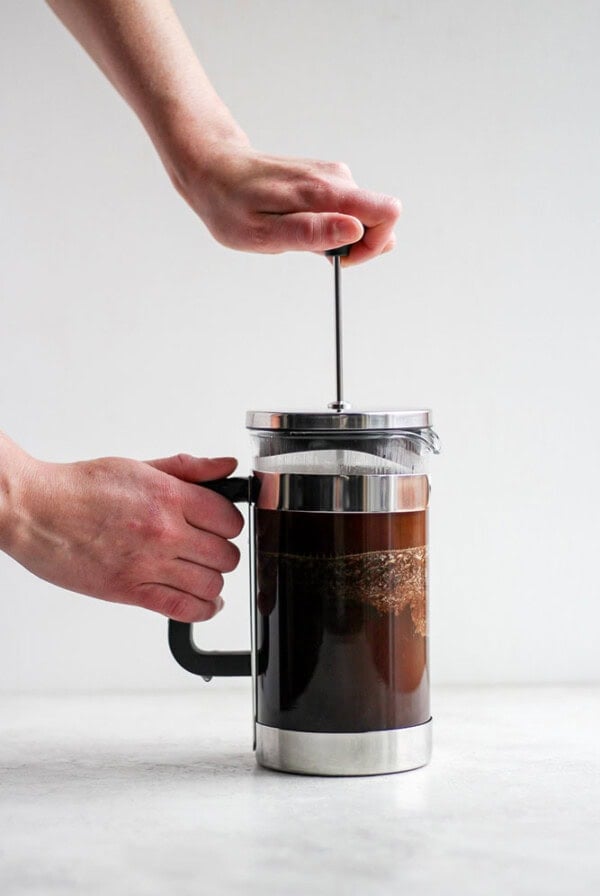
(338, 580)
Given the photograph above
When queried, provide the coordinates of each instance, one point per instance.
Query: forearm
(141, 47)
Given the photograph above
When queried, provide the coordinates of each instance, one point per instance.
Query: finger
(337, 195)
(178, 605)
(359, 254)
(309, 231)
(379, 214)
(195, 469)
(201, 582)
(377, 211)
(206, 510)
(370, 247)
(209, 550)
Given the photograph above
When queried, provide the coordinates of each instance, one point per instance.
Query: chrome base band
(361, 753)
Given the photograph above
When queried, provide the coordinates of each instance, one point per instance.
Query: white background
(125, 330)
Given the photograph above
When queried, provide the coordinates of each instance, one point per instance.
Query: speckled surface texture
(159, 794)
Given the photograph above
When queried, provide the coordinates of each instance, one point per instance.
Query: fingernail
(345, 230)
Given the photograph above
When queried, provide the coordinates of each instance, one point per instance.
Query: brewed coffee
(341, 628)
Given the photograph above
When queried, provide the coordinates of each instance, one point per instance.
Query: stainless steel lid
(340, 421)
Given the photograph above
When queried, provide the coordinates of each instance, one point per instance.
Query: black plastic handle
(209, 663)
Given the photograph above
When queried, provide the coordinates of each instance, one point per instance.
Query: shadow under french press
(122, 770)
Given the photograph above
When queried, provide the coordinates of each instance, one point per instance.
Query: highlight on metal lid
(339, 420)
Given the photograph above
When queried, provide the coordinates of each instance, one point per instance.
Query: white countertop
(159, 794)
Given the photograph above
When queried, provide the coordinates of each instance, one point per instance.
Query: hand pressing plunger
(249, 200)
(141, 533)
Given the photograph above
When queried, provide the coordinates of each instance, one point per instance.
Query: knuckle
(182, 461)
(342, 169)
(307, 231)
(203, 611)
(237, 524)
(213, 584)
(154, 527)
(392, 207)
(162, 528)
(177, 607)
(232, 558)
(260, 235)
(316, 191)
(168, 603)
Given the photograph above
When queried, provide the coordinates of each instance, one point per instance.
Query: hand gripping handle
(208, 663)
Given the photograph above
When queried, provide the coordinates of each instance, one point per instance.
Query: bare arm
(248, 200)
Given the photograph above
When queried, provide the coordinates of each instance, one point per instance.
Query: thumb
(195, 469)
(315, 232)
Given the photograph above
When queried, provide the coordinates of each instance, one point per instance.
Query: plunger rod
(339, 404)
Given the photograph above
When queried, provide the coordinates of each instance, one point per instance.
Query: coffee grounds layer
(342, 620)
(389, 581)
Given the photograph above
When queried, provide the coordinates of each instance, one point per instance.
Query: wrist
(194, 135)
(15, 467)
